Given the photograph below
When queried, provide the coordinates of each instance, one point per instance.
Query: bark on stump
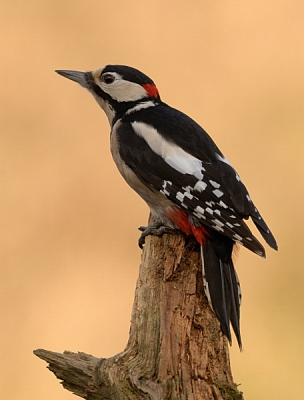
(175, 350)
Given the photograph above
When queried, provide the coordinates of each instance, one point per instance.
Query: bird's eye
(108, 78)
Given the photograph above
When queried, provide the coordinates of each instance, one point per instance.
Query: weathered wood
(175, 350)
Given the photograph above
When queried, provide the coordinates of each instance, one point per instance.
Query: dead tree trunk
(175, 349)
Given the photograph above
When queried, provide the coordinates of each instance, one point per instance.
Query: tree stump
(176, 349)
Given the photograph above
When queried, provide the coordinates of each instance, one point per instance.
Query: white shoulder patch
(173, 155)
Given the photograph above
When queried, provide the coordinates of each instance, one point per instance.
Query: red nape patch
(151, 90)
(181, 220)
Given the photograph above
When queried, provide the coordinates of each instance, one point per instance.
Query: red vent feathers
(181, 220)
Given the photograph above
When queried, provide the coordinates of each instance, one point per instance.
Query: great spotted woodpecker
(187, 182)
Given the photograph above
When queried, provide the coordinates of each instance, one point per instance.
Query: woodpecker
(187, 182)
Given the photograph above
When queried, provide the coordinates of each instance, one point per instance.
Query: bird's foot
(157, 228)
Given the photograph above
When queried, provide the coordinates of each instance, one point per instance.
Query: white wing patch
(208, 207)
(200, 186)
(173, 155)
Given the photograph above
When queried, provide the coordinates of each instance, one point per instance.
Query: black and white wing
(175, 156)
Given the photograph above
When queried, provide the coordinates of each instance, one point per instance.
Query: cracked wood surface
(175, 349)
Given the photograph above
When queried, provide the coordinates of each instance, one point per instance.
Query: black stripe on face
(95, 88)
(120, 107)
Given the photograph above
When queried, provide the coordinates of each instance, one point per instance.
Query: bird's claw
(157, 228)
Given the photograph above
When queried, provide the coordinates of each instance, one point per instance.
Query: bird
(187, 182)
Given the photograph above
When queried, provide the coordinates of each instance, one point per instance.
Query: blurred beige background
(69, 255)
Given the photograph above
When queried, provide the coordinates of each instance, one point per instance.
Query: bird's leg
(157, 228)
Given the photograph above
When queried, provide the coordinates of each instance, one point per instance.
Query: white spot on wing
(199, 215)
(218, 193)
(199, 209)
(200, 186)
(214, 184)
(218, 228)
(164, 190)
(248, 197)
(189, 195)
(218, 222)
(222, 204)
(237, 237)
(180, 196)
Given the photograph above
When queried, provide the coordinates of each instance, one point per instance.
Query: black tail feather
(222, 286)
(264, 230)
(234, 290)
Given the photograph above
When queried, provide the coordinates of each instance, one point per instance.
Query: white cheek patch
(174, 156)
(120, 90)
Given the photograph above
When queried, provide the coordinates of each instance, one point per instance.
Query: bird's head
(116, 88)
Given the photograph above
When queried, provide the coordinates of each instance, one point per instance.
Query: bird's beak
(76, 76)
